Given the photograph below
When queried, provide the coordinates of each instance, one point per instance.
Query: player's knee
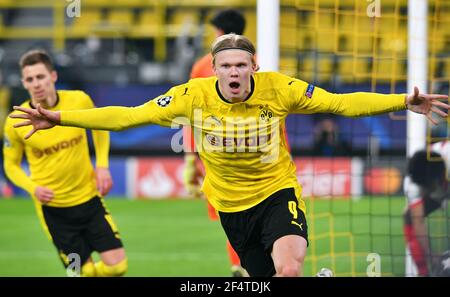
(118, 269)
(88, 270)
(289, 270)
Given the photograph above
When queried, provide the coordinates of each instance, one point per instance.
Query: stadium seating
(183, 21)
(120, 17)
(82, 26)
(330, 27)
(353, 70)
(148, 24)
(288, 29)
(288, 65)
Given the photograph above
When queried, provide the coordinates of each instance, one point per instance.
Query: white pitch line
(150, 256)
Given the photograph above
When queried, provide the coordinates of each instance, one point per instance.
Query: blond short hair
(232, 41)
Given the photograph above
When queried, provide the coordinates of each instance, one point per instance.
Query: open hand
(427, 104)
(39, 118)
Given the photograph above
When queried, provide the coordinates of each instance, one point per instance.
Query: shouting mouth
(234, 86)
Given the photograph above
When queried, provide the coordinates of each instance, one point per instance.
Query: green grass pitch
(176, 238)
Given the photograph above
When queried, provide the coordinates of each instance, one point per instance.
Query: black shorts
(81, 229)
(252, 232)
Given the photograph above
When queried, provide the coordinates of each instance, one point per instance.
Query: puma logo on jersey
(297, 224)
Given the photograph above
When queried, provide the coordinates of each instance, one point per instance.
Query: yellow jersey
(242, 145)
(58, 158)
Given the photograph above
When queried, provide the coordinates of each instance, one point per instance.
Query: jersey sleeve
(170, 109)
(101, 146)
(13, 149)
(100, 137)
(85, 100)
(307, 98)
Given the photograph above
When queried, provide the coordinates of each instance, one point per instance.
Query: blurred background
(126, 52)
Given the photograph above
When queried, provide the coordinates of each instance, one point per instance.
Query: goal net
(352, 170)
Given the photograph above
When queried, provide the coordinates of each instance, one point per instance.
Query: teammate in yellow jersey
(65, 188)
(237, 118)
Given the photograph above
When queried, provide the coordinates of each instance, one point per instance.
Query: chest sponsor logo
(63, 145)
(259, 133)
(245, 143)
(252, 134)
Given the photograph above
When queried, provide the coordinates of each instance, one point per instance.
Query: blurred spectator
(327, 140)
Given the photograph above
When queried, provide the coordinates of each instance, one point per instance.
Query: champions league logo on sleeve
(164, 101)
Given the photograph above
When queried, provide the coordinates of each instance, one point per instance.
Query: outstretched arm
(367, 104)
(164, 110)
(113, 118)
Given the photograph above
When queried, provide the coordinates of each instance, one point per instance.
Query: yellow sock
(88, 270)
(118, 269)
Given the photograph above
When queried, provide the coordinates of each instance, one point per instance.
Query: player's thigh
(102, 233)
(257, 261)
(66, 234)
(243, 232)
(283, 217)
